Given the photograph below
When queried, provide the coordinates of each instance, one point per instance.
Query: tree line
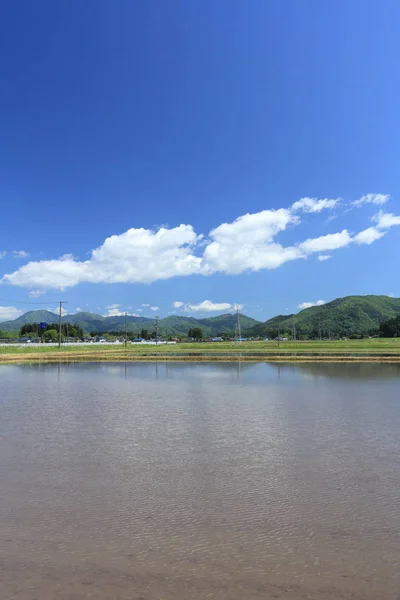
(50, 331)
(390, 328)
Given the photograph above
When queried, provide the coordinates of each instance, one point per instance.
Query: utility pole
(239, 330)
(59, 324)
(294, 330)
(319, 330)
(279, 334)
(126, 330)
(157, 318)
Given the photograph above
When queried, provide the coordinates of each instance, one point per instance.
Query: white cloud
(136, 256)
(3, 253)
(386, 220)
(314, 205)
(332, 241)
(8, 313)
(20, 254)
(56, 310)
(153, 308)
(178, 304)
(143, 256)
(247, 243)
(78, 309)
(114, 310)
(368, 236)
(323, 257)
(377, 199)
(208, 306)
(36, 293)
(310, 304)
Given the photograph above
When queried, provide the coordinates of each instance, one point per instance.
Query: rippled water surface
(184, 481)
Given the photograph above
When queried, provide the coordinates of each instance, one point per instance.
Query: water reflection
(219, 480)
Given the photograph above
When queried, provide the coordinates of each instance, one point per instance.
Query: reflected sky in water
(200, 480)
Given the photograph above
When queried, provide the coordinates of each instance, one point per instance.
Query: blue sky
(153, 154)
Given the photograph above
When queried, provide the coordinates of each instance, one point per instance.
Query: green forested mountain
(170, 326)
(358, 315)
(33, 316)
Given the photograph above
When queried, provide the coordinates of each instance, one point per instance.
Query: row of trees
(195, 333)
(67, 330)
(390, 328)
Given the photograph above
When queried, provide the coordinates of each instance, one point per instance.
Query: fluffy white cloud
(309, 304)
(386, 220)
(56, 310)
(142, 256)
(323, 257)
(247, 243)
(154, 308)
(332, 241)
(368, 236)
(208, 306)
(136, 256)
(377, 199)
(36, 293)
(20, 254)
(314, 205)
(114, 310)
(8, 313)
(3, 253)
(178, 304)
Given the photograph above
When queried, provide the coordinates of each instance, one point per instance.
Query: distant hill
(33, 316)
(170, 326)
(342, 317)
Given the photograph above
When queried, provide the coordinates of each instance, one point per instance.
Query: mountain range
(172, 325)
(359, 315)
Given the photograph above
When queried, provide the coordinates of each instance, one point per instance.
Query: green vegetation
(195, 349)
(174, 325)
(350, 317)
(343, 317)
(390, 328)
(195, 333)
(67, 330)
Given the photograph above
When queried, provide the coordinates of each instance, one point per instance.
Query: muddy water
(209, 481)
